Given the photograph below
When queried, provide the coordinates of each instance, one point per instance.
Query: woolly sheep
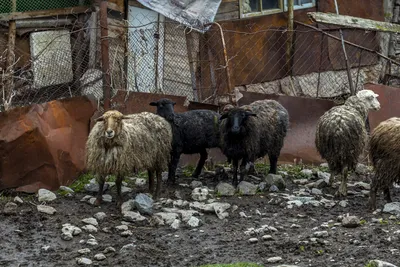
(253, 131)
(385, 154)
(341, 135)
(193, 132)
(120, 144)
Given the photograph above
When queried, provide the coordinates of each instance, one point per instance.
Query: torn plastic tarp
(192, 13)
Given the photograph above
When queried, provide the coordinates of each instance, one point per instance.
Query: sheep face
(236, 120)
(112, 123)
(370, 99)
(165, 108)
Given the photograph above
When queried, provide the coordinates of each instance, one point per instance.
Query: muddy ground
(25, 235)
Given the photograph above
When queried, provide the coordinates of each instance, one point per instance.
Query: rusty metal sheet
(368, 9)
(197, 105)
(303, 116)
(389, 97)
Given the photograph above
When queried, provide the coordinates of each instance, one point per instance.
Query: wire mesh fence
(61, 56)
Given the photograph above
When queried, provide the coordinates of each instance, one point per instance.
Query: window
(250, 8)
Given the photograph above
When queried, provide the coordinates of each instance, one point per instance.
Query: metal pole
(105, 57)
(352, 92)
(289, 43)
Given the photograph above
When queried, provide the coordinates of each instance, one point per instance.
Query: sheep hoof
(341, 193)
(97, 202)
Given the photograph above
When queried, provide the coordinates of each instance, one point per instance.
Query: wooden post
(105, 57)
(191, 61)
(352, 91)
(289, 42)
(10, 60)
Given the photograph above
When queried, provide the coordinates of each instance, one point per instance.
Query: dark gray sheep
(385, 154)
(341, 135)
(253, 131)
(193, 132)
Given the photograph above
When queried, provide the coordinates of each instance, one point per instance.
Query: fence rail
(61, 56)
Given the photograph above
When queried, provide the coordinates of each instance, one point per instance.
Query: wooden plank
(45, 13)
(354, 22)
(227, 16)
(228, 7)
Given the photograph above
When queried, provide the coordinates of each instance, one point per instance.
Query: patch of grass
(188, 170)
(371, 264)
(239, 264)
(302, 248)
(383, 222)
(362, 222)
(79, 184)
(319, 252)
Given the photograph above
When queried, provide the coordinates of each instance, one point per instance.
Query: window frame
(282, 8)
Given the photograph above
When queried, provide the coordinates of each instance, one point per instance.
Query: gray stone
(321, 234)
(46, 46)
(100, 216)
(140, 182)
(307, 173)
(325, 176)
(94, 187)
(10, 208)
(220, 210)
(225, 189)
(84, 261)
(131, 216)
(351, 222)
(379, 263)
(175, 224)
(253, 240)
(316, 191)
(109, 250)
(392, 208)
(275, 179)
(200, 194)
(125, 189)
(193, 222)
(144, 204)
(66, 236)
(297, 203)
(126, 233)
(45, 195)
(89, 228)
(273, 188)
(121, 227)
(127, 206)
(195, 184)
(274, 259)
(46, 209)
(262, 186)
(84, 251)
(343, 203)
(127, 247)
(70, 229)
(361, 169)
(91, 221)
(92, 200)
(180, 203)
(363, 185)
(99, 257)
(66, 189)
(167, 217)
(17, 199)
(92, 242)
(106, 198)
(247, 189)
(267, 237)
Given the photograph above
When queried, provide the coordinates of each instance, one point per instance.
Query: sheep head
(236, 119)
(112, 123)
(165, 108)
(370, 99)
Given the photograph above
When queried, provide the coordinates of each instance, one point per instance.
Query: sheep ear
(227, 108)
(153, 103)
(224, 116)
(251, 114)
(173, 103)
(125, 117)
(101, 118)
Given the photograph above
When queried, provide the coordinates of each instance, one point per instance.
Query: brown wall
(259, 55)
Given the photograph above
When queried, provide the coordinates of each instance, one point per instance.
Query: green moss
(371, 264)
(79, 183)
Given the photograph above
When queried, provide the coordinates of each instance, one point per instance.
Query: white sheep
(341, 135)
(120, 144)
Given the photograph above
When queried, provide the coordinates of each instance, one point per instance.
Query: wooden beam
(354, 22)
(45, 13)
(289, 41)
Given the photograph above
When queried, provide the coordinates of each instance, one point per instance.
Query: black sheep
(253, 131)
(193, 132)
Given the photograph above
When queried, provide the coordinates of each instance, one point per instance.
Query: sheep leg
(372, 196)
(273, 161)
(243, 169)
(172, 167)
(386, 191)
(158, 187)
(118, 184)
(151, 181)
(235, 171)
(200, 164)
(343, 186)
(99, 198)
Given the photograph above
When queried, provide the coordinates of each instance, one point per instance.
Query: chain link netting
(151, 53)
